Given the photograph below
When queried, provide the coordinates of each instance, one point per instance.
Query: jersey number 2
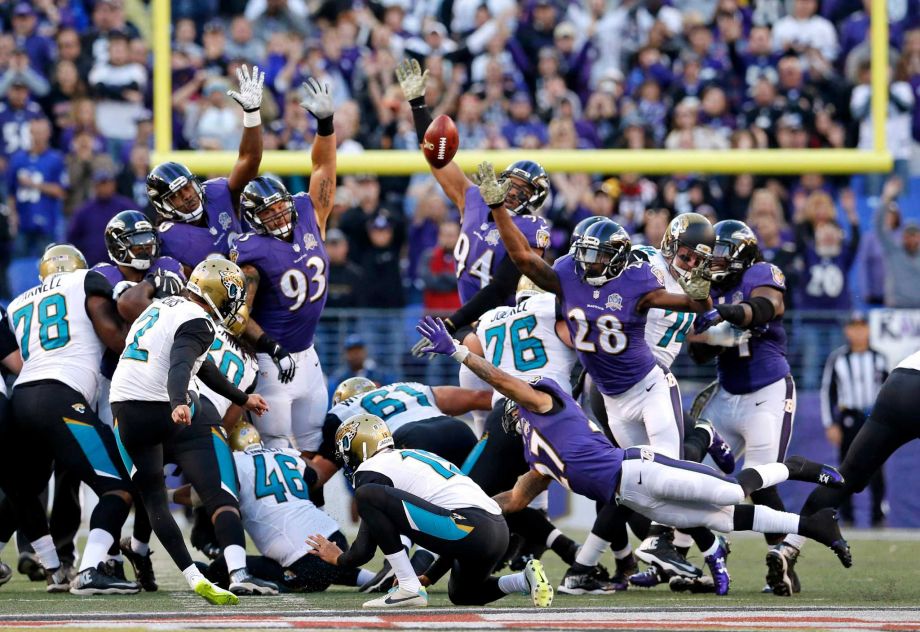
(133, 351)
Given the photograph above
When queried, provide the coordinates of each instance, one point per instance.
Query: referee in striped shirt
(852, 378)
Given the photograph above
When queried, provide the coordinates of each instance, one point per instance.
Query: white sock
(683, 540)
(555, 533)
(623, 553)
(141, 548)
(513, 583)
(193, 576)
(798, 541)
(235, 555)
(47, 554)
(96, 549)
(712, 549)
(364, 576)
(406, 542)
(591, 551)
(767, 520)
(405, 574)
(772, 473)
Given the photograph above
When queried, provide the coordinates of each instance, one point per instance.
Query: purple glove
(440, 340)
(704, 321)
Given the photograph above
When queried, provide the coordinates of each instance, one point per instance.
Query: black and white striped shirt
(851, 382)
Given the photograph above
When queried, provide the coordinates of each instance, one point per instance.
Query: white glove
(317, 99)
(423, 343)
(725, 335)
(250, 95)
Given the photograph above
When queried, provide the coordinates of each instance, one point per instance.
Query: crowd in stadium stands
(76, 124)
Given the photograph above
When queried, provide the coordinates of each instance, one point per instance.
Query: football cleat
(57, 581)
(801, 469)
(778, 579)
(660, 550)
(242, 582)
(381, 582)
(541, 591)
(400, 598)
(212, 593)
(702, 584)
(421, 561)
(97, 581)
(650, 577)
(718, 567)
(625, 568)
(719, 449)
(827, 532)
(30, 565)
(142, 564)
(115, 568)
(6, 573)
(586, 580)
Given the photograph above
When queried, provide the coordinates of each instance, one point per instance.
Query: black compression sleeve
(192, 339)
(362, 549)
(215, 380)
(497, 292)
(732, 313)
(762, 311)
(94, 284)
(421, 116)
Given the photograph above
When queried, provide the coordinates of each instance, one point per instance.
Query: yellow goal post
(650, 161)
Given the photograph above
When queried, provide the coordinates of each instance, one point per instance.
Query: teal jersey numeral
(231, 364)
(133, 351)
(680, 329)
(439, 465)
(271, 485)
(528, 351)
(378, 403)
(53, 327)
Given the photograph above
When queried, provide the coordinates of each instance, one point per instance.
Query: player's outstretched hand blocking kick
(411, 79)
(696, 285)
(249, 95)
(492, 190)
(440, 340)
(317, 99)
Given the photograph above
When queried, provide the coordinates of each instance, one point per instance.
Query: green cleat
(541, 591)
(215, 594)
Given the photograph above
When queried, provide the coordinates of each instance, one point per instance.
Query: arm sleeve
(362, 549)
(192, 339)
(496, 293)
(215, 380)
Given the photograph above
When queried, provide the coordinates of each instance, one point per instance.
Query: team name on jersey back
(294, 278)
(522, 341)
(606, 328)
(429, 477)
(275, 503)
(479, 248)
(56, 337)
(567, 446)
(397, 404)
(239, 367)
(665, 330)
(143, 368)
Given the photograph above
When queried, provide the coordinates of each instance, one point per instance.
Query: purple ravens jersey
(569, 447)
(761, 360)
(294, 277)
(607, 329)
(479, 249)
(191, 244)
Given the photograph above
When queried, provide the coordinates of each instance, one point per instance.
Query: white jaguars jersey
(275, 503)
(143, 368)
(56, 336)
(241, 369)
(665, 331)
(522, 341)
(431, 478)
(397, 404)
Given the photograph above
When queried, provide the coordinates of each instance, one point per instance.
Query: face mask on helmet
(527, 193)
(723, 264)
(599, 264)
(687, 259)
(511, 418)
(184, 202)
(137, 250)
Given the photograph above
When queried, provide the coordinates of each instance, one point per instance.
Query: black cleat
(826, 530)
(57, 581)
(625, 568)
(6, 573)
(381, 582)
(702, 584)
(96, 581)
(586, 580)
(142, 565)
(242, 582)
(660, 551)
(801, 469)
(116, 569)
(31, 566)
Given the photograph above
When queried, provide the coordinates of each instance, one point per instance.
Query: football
(441, 142)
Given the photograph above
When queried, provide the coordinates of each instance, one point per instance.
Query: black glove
(280, 356)
(165, 283)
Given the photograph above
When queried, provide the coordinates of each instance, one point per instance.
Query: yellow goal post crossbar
(650, 161)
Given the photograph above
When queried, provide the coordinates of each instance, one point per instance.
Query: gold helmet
(219, 283)
(243, 435)
(358, 439)
(351, 387)
(60, 258)
(238, 325)
(526, 288)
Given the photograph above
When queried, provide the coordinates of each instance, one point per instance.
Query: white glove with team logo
(696, 284)
(249, 95)
(317, 99)
(725, 335)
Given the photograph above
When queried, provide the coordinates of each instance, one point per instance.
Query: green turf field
(885, 574)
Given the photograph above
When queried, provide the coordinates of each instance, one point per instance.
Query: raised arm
(318, 102)
(696, 297)
(454, 400)
(451, 178)
(511, 387)
(529, 262)
(250, 154)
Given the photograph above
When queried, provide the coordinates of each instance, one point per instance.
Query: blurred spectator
(214, 122)
(19, 72)
(430, 212)
(119, 85)
(87, 226)
(901, 257)
(437, 271)
(357, 363)
(37, 47)
(37, 184)
(16, 116)
(242, 43)
(872, 268)
(380, 262)
(522, 123)
(687, 133)
(804, 31)
(354, 221)
(70, 49)
(344, 276)
(765, 217)
(81, 163)
(108, 18)
(132, 181)
(656, 223)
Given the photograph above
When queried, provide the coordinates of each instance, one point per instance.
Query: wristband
(461, 352)
(324, 127)
(418, 102)
(266, 345)
(252, 119)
